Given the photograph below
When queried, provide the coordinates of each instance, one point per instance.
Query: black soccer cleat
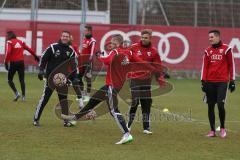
(69, 124)
(36, 123)
(16, 98)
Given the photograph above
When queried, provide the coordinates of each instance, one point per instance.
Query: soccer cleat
(69, 123)
(16, 97)
(211, 134)
(125, 139)
(36, 123)
(23, 98)
(223, 133)
(147, 132)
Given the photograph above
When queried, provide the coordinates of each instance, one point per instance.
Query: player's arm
(26, 47)
(231, 64)
(205, 65)
(8, 53)
(231, 67)
(92, 50)
(107, 59)
(74, 63)
(46, 55)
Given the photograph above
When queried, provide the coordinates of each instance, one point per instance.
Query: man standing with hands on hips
(218, 75)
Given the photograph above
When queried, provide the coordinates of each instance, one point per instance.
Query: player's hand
(36, 58)
(204, 86)
(232, 86)
(166, 75)
(99, 53)
(161, 81)
(41, 75)
(6, 66)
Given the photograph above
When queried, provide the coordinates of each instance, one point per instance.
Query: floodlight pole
(82, 23)
(33, 23)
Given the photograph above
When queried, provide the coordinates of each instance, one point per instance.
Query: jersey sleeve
(28, 49)
(92, 49)
(231, 64)
(108, 59)
(8, 51)
(45, 58)
(205, 65)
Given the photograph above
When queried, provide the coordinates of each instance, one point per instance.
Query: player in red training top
(14, 57)
(86, 60)
(217, 70)
(140, 83)
(118, 66)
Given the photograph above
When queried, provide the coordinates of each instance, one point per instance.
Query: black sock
(221, 111)
(211, 115)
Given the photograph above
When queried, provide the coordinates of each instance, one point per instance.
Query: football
(59, 79)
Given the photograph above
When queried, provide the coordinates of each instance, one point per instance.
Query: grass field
(94, 140)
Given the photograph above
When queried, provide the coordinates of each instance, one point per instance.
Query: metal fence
(221, 13)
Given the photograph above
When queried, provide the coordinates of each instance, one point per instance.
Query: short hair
(118, 37)
(216, 32)
(146, 31)
(11, 35)
(65, 31)
(88, 27)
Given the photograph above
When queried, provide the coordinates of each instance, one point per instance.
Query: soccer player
(53, 57)
(140, 83)
(118, 65)
(86, 60)
(14, 56)
(218, 69)
(72, 77)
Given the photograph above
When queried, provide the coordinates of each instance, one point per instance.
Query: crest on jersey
(149, 54)
(68, 53)
(57, 53)
(17, 45)
(221, 51)
(139, 52)
(211, 52)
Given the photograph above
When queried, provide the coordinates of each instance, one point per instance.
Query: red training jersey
(218, 64)
(14, 50)
(119, 64)
(148, 54)
(87, 52)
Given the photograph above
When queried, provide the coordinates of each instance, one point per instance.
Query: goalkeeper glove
(232, 86)
(40, 75)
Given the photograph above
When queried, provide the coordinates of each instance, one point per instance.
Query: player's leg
(135, 89)
(80, 77)
(47, 92)
(146, 104)
(62, 96)
(21, 76)
(211, 94)
(11, 72)
(97, 97)
(77, 89)
(113, 106)
(221, 98)
(89, 85)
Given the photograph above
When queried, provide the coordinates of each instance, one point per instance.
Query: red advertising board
(181, 47)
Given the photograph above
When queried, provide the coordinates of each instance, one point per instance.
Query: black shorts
(216, 92)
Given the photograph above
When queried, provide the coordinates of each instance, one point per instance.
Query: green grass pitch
(173, 139)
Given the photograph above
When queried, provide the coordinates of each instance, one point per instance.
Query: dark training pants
(47, 92)
(16, 67)
(110, 94)
(141, 93)
(216, 93)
